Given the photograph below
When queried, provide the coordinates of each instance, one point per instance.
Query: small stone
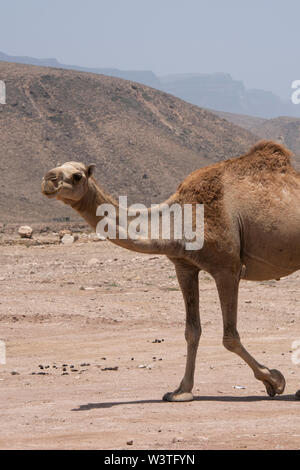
(67, 239)
(14, 373)
(64, 232)
(25, 231)
(129, 443)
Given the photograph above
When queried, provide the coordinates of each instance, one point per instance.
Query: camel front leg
(188, 280)
(227, 285)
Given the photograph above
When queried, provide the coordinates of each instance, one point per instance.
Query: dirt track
(101, 306)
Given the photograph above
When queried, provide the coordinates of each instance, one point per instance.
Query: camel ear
(90, 169)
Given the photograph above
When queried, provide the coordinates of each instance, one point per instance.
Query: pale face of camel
(252, 231)
(68, 182)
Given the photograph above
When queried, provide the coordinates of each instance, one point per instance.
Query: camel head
(68, 182)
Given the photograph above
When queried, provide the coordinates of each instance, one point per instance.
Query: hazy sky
(255, 41)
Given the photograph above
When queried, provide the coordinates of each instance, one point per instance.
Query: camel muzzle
(49, 187)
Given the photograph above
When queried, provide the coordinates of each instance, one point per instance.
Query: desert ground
(95, 336)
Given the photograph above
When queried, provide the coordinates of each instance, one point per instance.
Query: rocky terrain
(95, 336)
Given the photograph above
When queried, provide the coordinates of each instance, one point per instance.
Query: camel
(251, 231)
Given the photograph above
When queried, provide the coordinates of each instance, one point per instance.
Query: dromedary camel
(251, 231)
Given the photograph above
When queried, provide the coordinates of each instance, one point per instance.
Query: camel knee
(232, 342)
(193, 334)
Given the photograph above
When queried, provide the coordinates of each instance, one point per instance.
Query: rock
(129, 443)
(67, 239)
(61, 233)
(95, 237)
(25, 231)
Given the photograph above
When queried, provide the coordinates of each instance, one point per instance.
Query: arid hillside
(143, 141)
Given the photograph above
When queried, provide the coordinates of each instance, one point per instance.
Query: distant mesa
(216, 91)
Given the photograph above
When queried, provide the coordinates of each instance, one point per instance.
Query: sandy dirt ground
(95, 336)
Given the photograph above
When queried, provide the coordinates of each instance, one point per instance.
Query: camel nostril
(52, 176)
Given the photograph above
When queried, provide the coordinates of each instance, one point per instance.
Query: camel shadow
(227, 398)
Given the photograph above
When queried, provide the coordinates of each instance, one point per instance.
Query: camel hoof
(178, 396)
(275, 385)
(297, 395)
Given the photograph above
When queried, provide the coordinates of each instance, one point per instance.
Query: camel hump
(266, 155)
(270, 148)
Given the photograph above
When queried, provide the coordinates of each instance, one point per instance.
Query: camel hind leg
(227, 285)
(187, 276)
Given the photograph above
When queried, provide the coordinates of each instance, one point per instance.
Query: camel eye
(77, 176)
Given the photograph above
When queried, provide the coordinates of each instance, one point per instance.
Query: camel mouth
(50, 194)
(49, 188)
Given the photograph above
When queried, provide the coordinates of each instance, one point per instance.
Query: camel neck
(94, 197)
(87, 208)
